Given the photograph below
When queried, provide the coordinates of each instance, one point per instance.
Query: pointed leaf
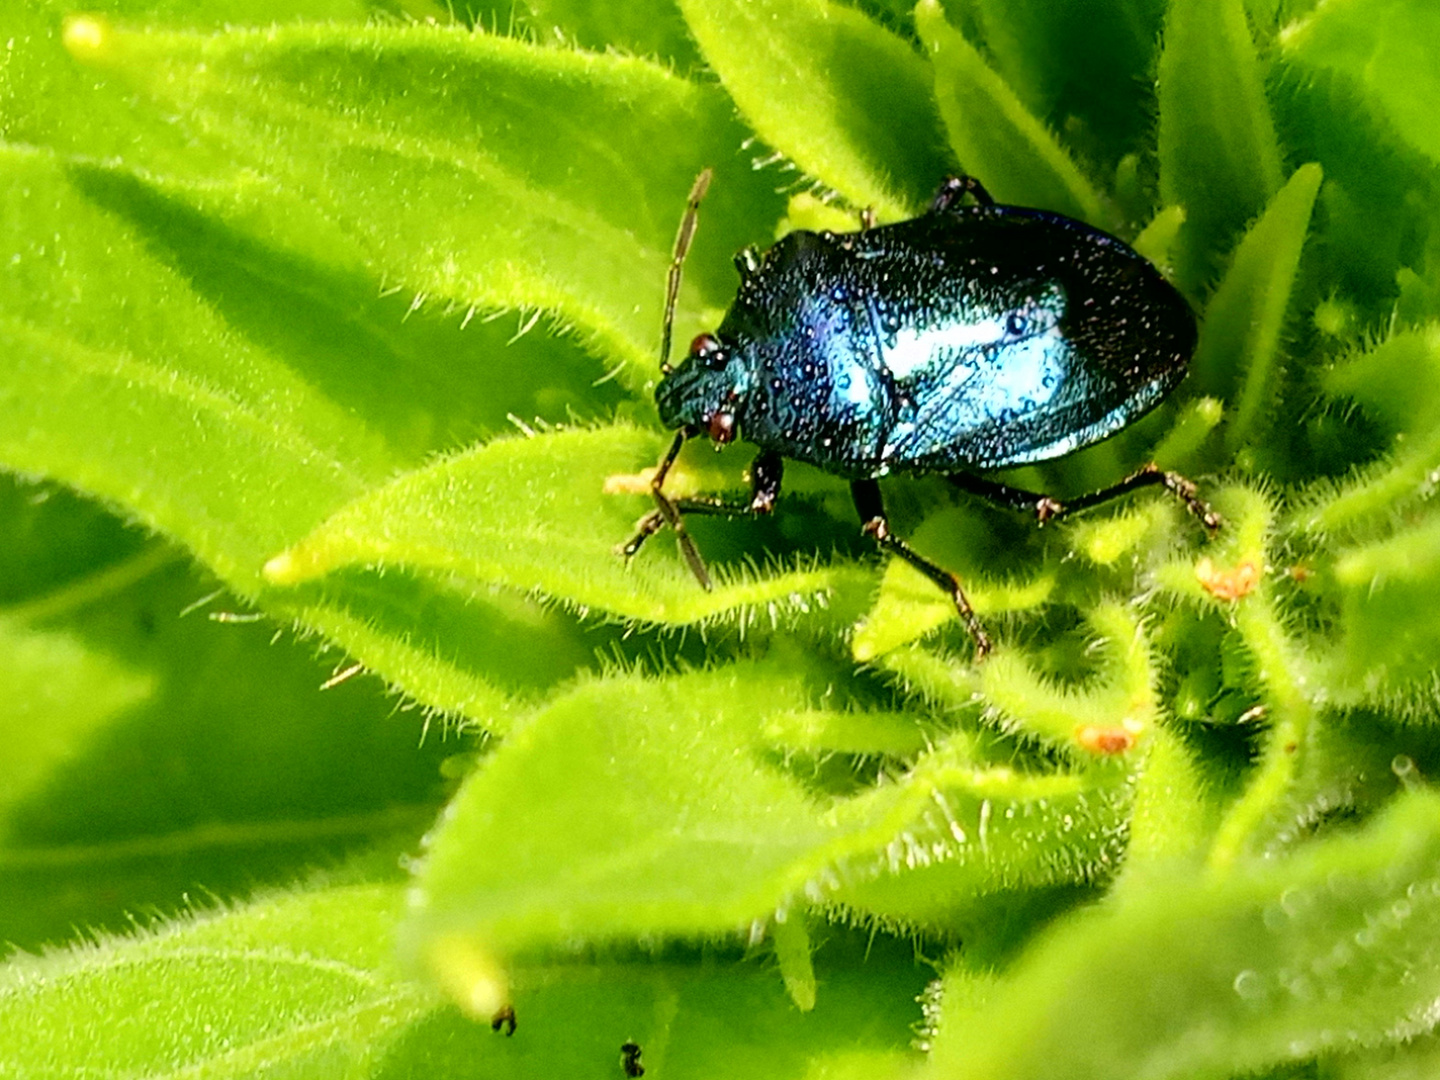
(116, 372)
(1385, 46)
(846, 100)
(533, 514)
(1219, 158)
(992, 133)
(54, 695)
(1238, 355)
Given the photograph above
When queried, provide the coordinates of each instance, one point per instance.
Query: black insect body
(973, 337)
(631, 1060)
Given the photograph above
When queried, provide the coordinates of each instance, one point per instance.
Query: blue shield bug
(974, 337)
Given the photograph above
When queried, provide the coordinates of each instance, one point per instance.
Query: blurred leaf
(1275, 963)
(1385, 45)
(1080, 67)
(55, 694)
(993, 135)
(246, 759)
(843, 98)
(1219, 158)
(1398, 381)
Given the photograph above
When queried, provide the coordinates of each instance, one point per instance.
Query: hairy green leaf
(1384, 45)
(534, 514)
(292, 985)
(117, 371)
(843, 98)
(994, 136)
(1239, 349)
(1219, 158)
(1274, 963)
(474, 172)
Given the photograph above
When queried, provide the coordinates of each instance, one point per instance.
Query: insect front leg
(766, 473)
(1046, 508)
(873, 521)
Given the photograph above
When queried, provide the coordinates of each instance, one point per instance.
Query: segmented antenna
(677, 261)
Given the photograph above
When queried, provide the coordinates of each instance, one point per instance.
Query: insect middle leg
(1046, 508)
(870, 505)
(766, 472)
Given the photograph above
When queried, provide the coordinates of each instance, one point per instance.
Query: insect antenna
(683, 239)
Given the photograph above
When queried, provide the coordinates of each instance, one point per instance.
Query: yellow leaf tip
(474, 979)
(283, 569)
(86, 37)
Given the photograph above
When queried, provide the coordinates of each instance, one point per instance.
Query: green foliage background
(330, 722)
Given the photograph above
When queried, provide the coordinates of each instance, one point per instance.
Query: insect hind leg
(1045, 508)
(874, 522)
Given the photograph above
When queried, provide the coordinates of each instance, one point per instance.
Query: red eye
(703, 343)
(722, 427)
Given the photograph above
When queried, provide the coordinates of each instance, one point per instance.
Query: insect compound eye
(707, 350)
(722, 427)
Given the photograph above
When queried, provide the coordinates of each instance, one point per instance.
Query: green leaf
(695, 1014)
(1219, 158)
(1274, 963)
(1384, 45)
(844, 99)
(1238, 355)
(534, 514)
(652, 819)
(56, 694)
(116, 370)
(1391, 594)
(992, 133)
(651, 28)
(293, 985)
(246, 760)
(473, 172)
(1398, 381)
(1080, 68)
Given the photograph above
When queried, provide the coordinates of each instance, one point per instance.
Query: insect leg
(667, 513)
(1046, 508)
(765, 476)
(766, 472)
(954, 189)
(871, 508)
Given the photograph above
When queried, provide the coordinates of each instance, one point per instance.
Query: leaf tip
(86, 37)
(474, 979)
(287, 569)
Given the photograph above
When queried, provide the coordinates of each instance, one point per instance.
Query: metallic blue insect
(973, 337)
